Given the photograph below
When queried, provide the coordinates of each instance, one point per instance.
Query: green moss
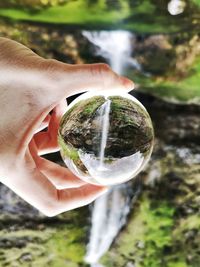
(118, 100)
(164, 226)
(184, 90)
(74, 12)
(58, 242)
(67, 244)
(117, 106)
(144, 16)
(25, 247)
(186, 224)
(197, 2)
(82, 109)
(177, 264)
(68, 151)
(148, 234)
(92, 104)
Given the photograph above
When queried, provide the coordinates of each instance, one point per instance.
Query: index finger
(69, 80)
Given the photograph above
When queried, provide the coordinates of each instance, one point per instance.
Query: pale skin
(31, 87)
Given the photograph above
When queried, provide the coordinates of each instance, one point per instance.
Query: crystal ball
(106, 138)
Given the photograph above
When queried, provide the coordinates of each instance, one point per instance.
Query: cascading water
(115, 46)
(104, 120)
(110, 211)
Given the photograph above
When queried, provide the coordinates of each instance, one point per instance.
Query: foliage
(164, 226)
(58, 242)
(141, 16)
(148, 234)
(186, 90)
(33, 4)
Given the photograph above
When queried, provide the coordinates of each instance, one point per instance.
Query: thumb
(72, 79)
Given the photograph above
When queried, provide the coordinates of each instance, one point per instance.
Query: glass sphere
(106, 138)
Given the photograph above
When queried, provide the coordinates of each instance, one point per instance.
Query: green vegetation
(91, 105)
(33, 4)
(67, 244)
(74, 12)
(164, 226)
(50, 246)
(163, 229)
(197, 2)
(143, 16)
(60, 242)
(185, 90)
(67, 151)
(147, 236)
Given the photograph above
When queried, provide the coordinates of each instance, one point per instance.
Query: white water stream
(116, 47)
(110, 211)
(104, 122)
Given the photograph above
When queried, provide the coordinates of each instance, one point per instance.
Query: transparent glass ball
(106, 138)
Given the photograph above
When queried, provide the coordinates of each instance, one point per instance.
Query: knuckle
(100, 69)
(103, 67)
(49, 213)
(51, 207)
(82, 193)
(50, 65)
(104, 73)
(49, 210)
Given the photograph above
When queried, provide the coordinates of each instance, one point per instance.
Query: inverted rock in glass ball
(106, 138)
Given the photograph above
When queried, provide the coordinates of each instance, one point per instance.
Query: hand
(31, 87)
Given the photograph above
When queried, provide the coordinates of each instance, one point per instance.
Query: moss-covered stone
(129, 127)
(171, 67)
(164, 228)
(55, 242)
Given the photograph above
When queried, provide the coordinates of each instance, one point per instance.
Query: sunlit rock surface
(106, 139)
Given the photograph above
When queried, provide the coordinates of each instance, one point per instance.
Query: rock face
(164, 227)
(91, 136)
(129, 127)
(27, 238)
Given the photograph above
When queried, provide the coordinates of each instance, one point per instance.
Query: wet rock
(129, 128)
(118, 120)
(26, 257)
(155, 54)
(166, 216)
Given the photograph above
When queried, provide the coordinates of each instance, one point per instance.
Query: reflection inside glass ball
(106, 138)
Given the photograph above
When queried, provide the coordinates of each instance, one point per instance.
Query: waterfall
(108, 216)
(116, 47)
(104, 122)
(110, 211)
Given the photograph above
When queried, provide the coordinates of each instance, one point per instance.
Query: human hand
(31, 87)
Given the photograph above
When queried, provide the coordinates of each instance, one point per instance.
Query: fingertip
(104, 189)
(98, 189)
(128, 84)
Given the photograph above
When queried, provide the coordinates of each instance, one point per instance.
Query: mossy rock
(129, 127)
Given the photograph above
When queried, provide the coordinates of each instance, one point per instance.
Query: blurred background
(154, 220)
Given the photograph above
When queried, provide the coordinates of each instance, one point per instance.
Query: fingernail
(105, 190)
(128, 83)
